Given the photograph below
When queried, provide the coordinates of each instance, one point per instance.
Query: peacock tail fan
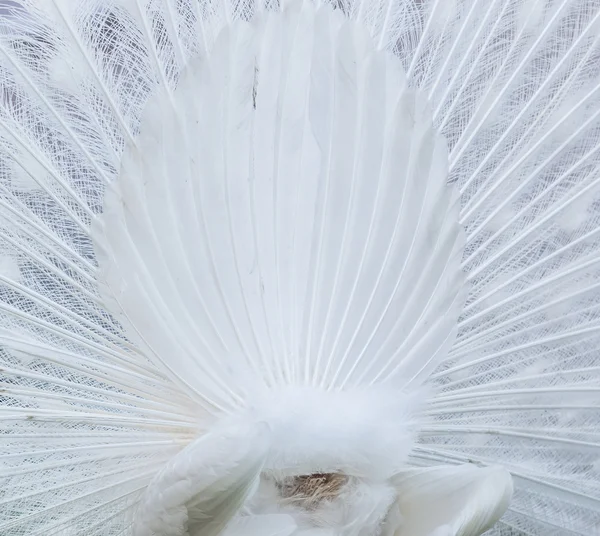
(299, 268)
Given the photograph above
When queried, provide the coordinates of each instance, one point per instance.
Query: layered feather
(91, 410)
(466, 500)
(289, 224)
(203, 487)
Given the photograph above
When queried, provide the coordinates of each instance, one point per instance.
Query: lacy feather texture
(303, 268)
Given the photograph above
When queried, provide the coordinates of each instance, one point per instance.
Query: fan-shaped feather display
(299, 268)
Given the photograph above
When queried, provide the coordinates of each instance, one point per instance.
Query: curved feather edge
(202, 488)
(463, 500)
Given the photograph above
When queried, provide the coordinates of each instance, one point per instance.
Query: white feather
(452, 500)
(201, 489)
(310, 280)
(262, 525)
(238, 211)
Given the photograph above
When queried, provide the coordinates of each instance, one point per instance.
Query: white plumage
(297, 268)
